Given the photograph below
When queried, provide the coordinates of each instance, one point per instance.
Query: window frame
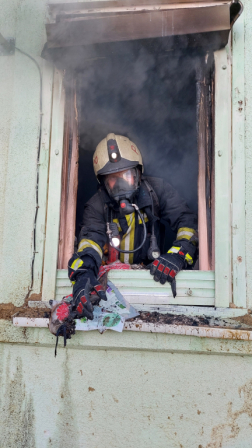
(238, 166)
(229, 211)
(54, 188)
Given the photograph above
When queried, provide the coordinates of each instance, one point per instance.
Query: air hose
(109, 233)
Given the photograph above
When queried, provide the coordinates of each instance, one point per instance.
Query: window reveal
(204, 83)
(69, 176)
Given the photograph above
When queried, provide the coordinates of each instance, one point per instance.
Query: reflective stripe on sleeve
(76, 264)
(189, 259)
(185, 233)
(174, 250)
(89, 243)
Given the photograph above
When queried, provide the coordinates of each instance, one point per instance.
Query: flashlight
(115, 241)
(113, 233)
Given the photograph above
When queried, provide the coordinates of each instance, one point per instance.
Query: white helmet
(116, 153)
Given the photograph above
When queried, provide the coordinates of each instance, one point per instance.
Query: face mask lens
(128, 176)
(122, 183)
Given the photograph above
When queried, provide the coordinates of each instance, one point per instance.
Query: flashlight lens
(155, 254)
(113, 155)
(116, 241)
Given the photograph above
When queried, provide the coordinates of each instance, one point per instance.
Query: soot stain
(18, 421)
(66, 431)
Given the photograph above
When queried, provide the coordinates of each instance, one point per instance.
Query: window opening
(163, 102)
(151, 99)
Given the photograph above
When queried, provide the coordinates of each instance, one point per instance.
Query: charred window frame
(214, 110)
(205, 111)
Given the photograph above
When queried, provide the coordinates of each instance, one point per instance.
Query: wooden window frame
(229, 244)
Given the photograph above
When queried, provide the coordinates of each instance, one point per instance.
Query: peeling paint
(8, 310)
(223, 433)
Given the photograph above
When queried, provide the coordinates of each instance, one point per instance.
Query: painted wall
(126, 390)
(19, 80)
(248, 141)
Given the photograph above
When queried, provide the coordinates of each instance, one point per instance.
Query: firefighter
(127, 209)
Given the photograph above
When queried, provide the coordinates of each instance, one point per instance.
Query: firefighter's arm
(183, 221)
(84, 264)
(91, 242)
(175, 211)
(83, 267)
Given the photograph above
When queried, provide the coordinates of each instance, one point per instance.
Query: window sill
(244, 333)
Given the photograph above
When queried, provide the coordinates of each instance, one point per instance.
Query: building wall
(19, 80)
(126, 390)
(248, 141)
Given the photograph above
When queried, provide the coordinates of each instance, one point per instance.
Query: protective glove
(76, 305)
(85, 283)
(166, 267)
(61, 322)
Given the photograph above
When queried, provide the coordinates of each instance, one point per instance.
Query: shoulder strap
(154, 197)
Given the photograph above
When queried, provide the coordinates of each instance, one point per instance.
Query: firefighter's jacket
(163, 203)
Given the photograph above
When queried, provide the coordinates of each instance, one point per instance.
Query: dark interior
(150, 98)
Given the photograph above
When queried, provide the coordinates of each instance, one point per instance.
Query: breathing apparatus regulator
(118, 166)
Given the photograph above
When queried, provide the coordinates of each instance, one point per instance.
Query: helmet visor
(122, 184)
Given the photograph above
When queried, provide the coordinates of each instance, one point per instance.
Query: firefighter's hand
(166, 267)
(86, 283)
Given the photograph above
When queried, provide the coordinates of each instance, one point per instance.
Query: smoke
(151, 98)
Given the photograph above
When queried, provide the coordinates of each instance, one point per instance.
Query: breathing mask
(123, 184)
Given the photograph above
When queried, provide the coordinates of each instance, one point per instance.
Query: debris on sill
(235, 323)
(39, 315)
(244, 320)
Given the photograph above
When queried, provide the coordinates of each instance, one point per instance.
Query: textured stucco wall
(248, 140)
(19, 129)
(126, 390)
(19, 91)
